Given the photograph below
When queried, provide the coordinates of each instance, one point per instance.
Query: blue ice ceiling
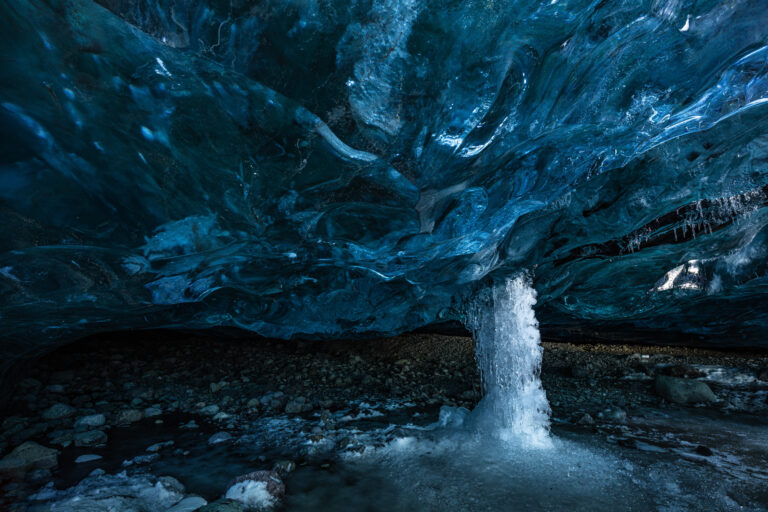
(330, 168)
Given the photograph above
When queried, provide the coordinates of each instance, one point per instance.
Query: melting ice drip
(508, 351)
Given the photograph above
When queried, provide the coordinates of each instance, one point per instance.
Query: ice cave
(383, 255)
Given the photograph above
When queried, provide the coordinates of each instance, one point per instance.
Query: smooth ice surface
(343, 167)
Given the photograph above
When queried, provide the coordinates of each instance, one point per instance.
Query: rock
(684, 391)
(586, 420)
(58, 411)
(90, 438)
(62, 437)
(220, 437)
(615, 414)
(189, 504)
(13, 423)
(27, 457)
(298, 405)
(283, 467)
(29, 384)
(129, 416)
(679, 370)
(90, 421)
(209, 410)
(703, 450)
(87, 458)
(152, 412)
(172, 484)
(159, 446)
(259, 489)
(223, 505)
(582, 371)
(763, 375)
(253, 402)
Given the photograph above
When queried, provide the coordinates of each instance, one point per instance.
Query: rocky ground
(144, 402)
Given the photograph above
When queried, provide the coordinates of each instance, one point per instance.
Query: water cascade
(508, 351)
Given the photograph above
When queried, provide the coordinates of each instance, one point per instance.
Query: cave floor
(356, 419)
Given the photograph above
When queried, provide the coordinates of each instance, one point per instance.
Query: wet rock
(62, 438)
(159, 446)
(87, 458)
(582, 371)
(256, 490)
(127, 416)
(90, 421)
(586, 420)
(627, 442)
(763, 375)
(684, 391)
(58, 411)
(27, 457)
(703, 450)
(283, 467)
(152, 412)
(171, 484)
(615, 414)
(209, 410)
(29, 384)
(90, 438)
(223, 505)
(679, 370)
(298, 405)
(220, 437)
(188, 504)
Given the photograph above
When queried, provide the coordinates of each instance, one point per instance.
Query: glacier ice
(348, 167)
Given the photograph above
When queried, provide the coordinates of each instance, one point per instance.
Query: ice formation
(327, 169)
(508, 350)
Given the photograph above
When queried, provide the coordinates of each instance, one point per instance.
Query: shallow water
(580, 471)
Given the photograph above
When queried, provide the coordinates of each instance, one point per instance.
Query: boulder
(26, 457)
(684, 391)
(256, 490)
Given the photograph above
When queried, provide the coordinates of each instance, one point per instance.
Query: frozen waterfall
(508, 351)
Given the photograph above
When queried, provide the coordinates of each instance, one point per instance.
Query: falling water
(508, 351)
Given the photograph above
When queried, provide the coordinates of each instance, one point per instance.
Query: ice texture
(350, 167)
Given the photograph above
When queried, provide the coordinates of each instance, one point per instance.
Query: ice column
(508, 351)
